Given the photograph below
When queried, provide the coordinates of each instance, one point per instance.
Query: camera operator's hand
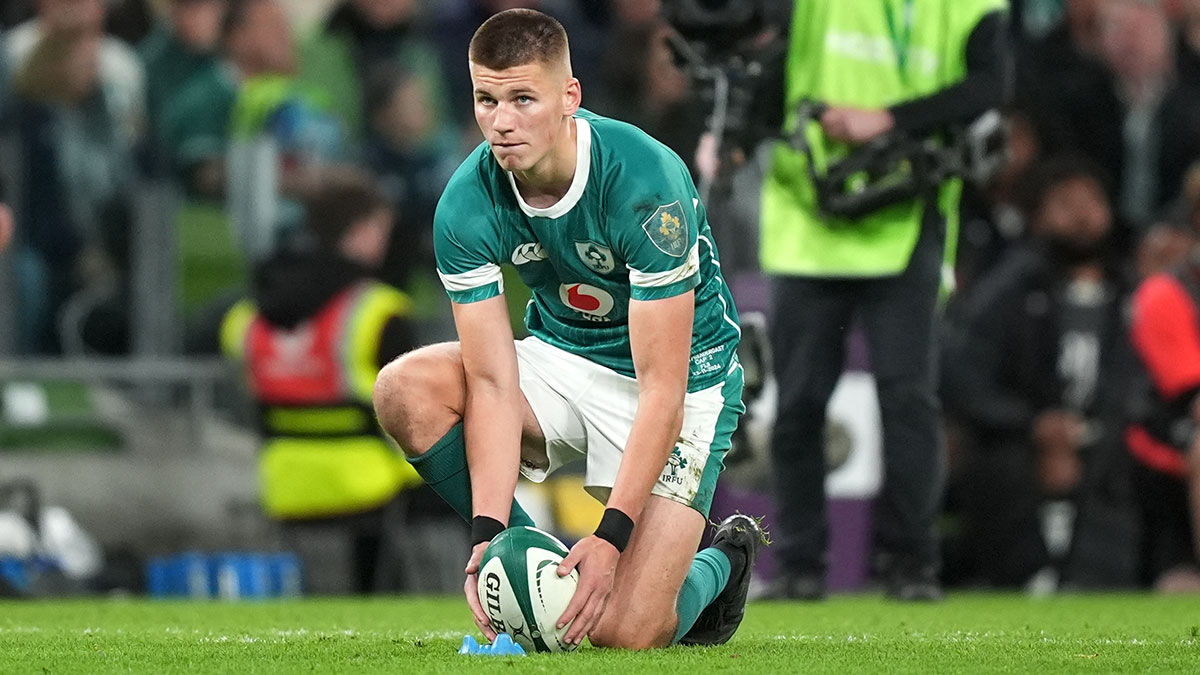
(856, 125)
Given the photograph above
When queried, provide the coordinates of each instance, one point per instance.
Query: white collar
(583, 165)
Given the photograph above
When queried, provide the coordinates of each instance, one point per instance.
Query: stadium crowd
(1068, 377)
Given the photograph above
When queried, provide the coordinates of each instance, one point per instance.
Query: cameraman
(908, 67)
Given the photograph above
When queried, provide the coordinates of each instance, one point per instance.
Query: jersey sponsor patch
(524, 253)
(668, 229)
(594, 303)
(598, 258)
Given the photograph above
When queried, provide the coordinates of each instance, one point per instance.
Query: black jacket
(1001, 365)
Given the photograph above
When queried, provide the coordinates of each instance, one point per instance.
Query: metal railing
(199, 378)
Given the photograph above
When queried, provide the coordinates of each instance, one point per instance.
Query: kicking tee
(631, 226)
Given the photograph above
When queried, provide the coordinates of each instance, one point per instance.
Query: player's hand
(471, 590)
(856, 125)
(597, 563)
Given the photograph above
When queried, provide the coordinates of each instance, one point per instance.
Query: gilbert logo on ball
(520, 589)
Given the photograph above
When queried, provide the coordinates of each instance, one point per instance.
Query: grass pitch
(969, 633)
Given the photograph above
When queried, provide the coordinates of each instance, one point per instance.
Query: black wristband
(615, 527)
(484, 528)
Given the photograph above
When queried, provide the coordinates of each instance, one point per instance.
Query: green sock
(704, 582)
(444, 468)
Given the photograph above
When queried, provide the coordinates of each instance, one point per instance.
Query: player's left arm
(660, 332)
(654, 224)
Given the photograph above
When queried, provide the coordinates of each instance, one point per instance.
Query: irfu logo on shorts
(675, 463)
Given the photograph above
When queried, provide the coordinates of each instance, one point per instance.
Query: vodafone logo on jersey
(594, 303)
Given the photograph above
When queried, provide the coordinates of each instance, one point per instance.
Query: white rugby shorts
(586, 411)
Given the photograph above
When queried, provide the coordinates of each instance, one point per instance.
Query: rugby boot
(739, 537)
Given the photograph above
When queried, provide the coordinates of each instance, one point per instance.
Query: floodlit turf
(967, 634)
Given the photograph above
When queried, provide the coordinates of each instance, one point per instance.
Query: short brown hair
(517, 37)
(344, 196)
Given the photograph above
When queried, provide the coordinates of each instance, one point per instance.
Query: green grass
(969, 633)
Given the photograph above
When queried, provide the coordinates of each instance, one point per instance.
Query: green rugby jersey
(631, 225)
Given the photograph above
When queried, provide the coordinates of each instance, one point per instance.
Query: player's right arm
(491, 424)
(469, 247)
(469, 250)
(492, 418)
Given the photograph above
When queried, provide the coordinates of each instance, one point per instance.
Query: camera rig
(895, 167)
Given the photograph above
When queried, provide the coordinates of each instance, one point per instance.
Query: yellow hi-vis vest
(324, 454)
(871, 54)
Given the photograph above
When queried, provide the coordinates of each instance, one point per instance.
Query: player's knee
(411, 391)
(631, 633)
(389, 396)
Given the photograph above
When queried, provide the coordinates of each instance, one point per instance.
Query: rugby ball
(520, 590)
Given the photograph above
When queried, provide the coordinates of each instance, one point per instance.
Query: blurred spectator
(1164, 246)
(413, 154)
(639, 83)
(456, 21)
(1187, 55)
(1034, 18)
(362, 37)
(15, 12)
(882, 264)
(1060, 69)
(1162, 436)
(6, 216)
(6, 226)
(129, 20)
(1141, 124)
(252, 131)
(1161, 125)
(1035, 382)
(633, 13)
(179, 50)
(312, 339)
(79, 110)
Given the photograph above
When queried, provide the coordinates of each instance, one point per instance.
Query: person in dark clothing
(312, 339)
(885, 267)
(1054, 69)
(1034, 381)
(1129, 113)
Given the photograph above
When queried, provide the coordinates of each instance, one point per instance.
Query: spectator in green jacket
(179, 50)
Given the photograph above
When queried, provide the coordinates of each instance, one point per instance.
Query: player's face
(520, 110)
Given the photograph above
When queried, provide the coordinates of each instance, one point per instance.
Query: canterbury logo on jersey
(528, 253)
(594, 303)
